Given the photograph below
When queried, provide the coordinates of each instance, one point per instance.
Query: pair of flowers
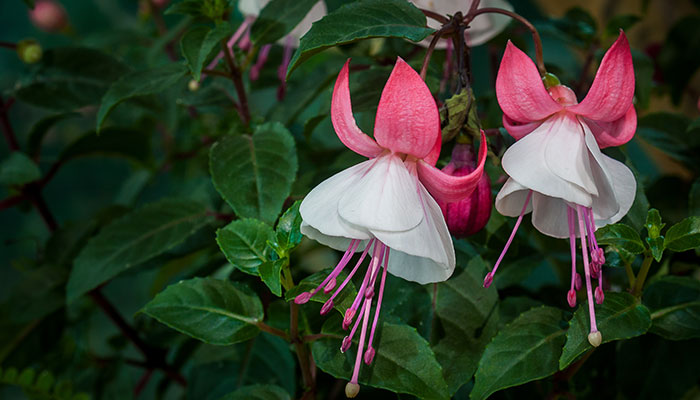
(386, 206)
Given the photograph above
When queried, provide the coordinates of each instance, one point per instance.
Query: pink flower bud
(470, 215)
(49, 16)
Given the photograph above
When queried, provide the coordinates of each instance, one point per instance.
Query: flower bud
(29, 51)
(468, 216)
(49, 16)
(193, 85)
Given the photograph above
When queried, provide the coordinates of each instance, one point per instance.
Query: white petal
(319, 209)
(335, 242)
(525, 162)
(549, 216)
(424, 254)
(567, 155)
(511, 198)
(384, 198)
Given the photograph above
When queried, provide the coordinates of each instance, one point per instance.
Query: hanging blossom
(482, 28)
(556, 168)
(385, 207)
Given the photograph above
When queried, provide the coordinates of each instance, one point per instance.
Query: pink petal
(447, 188)
(612, 91)
(518, 130)
(407, 117)
(614, 133)
(344, 122)
(434, 154)
(519, 88)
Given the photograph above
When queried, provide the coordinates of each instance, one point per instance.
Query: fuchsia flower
(49, 16)
(384, 206)
(556, 168)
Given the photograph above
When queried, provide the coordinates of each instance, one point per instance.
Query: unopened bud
(467, 216)
(29, 51)
(49, 16)
(302, 298)
(351, 390)
(595, 338)
(550, 80)
(571, 298)
(599, 296)
(193, 85)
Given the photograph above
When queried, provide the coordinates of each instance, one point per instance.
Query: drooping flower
(556, 168)
(467, 216)
(49, 16)
(482, 29)
(384, 207)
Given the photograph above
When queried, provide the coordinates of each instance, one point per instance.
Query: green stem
(642, 276)
(630, 274)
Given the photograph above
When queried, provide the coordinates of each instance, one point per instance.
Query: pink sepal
(518, 130)
(447, 188)
(614, 133)
(434, 154)
(519, 88)
(344, 122)
(407, 117)
(612, 91)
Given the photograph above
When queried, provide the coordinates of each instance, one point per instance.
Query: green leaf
(186, 7)
(139, 83)
(70, 78)
(525, 350)
(119, 142)
(643, 74)
(403, 362)
(198, 43)
(243, 242)
(258, 392)
(270, 274)
(211, 310)
(679, 58)
(619, 317)
(454, 113)
(254, 174)
(288, 232)
(341, 302)
(675, 307)
(468, 314)
(667, 132)
(133, 239)
(43, 127)
(18, 169)
(654, 238)
(578, 26)
(277, 19)
(694, 198)
(362, 19)
(684, 235)
(621, 238)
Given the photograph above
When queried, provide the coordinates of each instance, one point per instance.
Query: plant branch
(215, 72)
(642, 276)
(12, 201)
(237, 79)
(302, 351)
(535, 34)
(429, 53)
(8, 45)
(272, 330)
(432, 14)
(630, 274)
(7, 130)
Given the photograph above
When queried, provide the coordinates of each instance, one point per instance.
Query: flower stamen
(594, 337)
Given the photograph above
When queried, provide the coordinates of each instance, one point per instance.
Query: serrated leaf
(362, 20)
(133, 239)
(258, 392)
(278, 18)
(341, 302)
(139, 83)
(524, 350)
(270, 274)
(211, 310)
(469, 316)
(243, 243)
(674, 303)
(254, 174)
(403, 362)
(654, 224)
(684, 235)
(70, 78)
(619, 317)
(621, 238)
(119, 142)
(198, 43)
(288, 230)
(18, 169)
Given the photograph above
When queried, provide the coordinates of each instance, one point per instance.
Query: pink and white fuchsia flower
(556, 168)
(385, 206)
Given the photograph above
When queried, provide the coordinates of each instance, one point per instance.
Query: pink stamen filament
(338, 268)
(385, 263)
(586, 269)
(572, 241)
(354, 327)
(254, 73)
(352, 272)
(376, 252)
(282, 69)
(236, 35)
(489, 276)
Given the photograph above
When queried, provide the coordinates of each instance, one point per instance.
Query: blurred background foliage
(155, 146)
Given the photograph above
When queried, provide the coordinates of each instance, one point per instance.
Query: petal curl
(424, 254)
(519, 88)
(383, 198)
(612, 90)
(407, 118)
(614, 133)
(434, 154)
(344, 122)
(511, 197)
(518, 130)
(447, 188)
